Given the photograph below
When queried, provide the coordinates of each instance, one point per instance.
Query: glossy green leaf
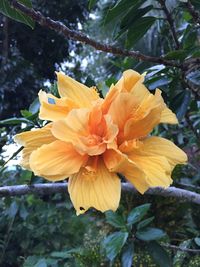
(25, 113)
(127, 255)
(159, 254)
(15, 14)
(35, 106)
(23, 213)
(41, 263)
(178, 54)
(120, 10)
(14, 121)
(132, 16)
(181, 103)
(12, 211)
(138, 30)
(138, 213)
(92, 3)
(190, 37)
(157, 82)
(197, 241)
(115, 219)
(194, 77)
(114, 243)
(144, 223)
(148, 234)
(196, 4)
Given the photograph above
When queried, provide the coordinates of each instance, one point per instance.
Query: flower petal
(31, 140)
(58, 159)
(100, 190)
(128, 80)
(53, 108)
(115, 161)
(167, 116)
(156, 167)
(73, 128)
(82, 95)
(163, 147)
(122, 108)
(145, 118)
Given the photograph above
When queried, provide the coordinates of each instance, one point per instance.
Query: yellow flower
(91, 139)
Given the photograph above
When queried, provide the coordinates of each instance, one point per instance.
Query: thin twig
(50, 188)
(193, 12)
(171, 23)
(188, 250)
(12, 157)
(61, 29)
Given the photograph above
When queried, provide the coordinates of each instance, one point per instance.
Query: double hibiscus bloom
(90, 140)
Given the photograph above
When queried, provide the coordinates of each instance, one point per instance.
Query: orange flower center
(93, 140)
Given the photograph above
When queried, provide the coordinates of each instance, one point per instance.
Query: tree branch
(61, 29)
(50, 188)
(188, 250)
(171, 23)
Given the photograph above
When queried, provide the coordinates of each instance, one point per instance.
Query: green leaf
(144, 223)
(138, 30)
(30, 261)
(132, 16)
(13, 209)
(178, 54)
(115, 220)
(196, 3)
(138, 213)
(157, 82)
(181, 103)
(148, 234)
(15, 14)
(34, 106)
(15, 121)
(197, 241)
(41, 263)
(127, 255)
(25, 113)
(23, 213)
(194, 77)
(120, 9)
(114, 243)
(159, 254)
(92, 3)
(189, 37)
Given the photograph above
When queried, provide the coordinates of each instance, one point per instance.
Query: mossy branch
(50, 188)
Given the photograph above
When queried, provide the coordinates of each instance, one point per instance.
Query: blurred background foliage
(43, 231)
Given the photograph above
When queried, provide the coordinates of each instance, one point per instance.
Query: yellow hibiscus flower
(91, 139)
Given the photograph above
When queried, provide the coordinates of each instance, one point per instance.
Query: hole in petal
(81, 208)
(51, 101)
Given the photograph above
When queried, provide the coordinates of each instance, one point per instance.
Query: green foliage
(148, 234)
(137, 214)
(114, 243)
(115, 220)
(159, 254)
(127, 255)
(135, 234)
(15, 14)
(138, 29)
